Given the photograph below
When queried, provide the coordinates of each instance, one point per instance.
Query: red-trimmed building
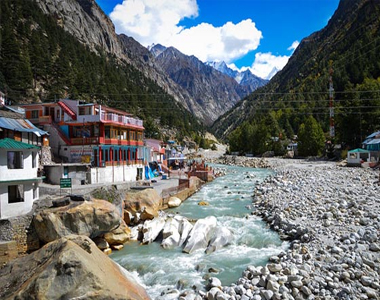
(108, 140)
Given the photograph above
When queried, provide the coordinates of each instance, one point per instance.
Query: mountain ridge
(213, 90)
(350, 41)
(245, 78)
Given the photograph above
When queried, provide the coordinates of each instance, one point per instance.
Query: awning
(373, 142)
(8, 143)
(373, 135)
(359, 150)
(21, 125)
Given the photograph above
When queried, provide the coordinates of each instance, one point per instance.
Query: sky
(259, 35)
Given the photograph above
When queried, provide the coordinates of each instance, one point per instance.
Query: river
(229, 199)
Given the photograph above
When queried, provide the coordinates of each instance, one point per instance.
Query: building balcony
(85, 141)
(43, 120)
(120, 119)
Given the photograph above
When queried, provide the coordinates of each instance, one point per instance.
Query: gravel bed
(330, 216)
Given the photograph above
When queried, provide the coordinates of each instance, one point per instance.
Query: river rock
(101, 243)
(89, 218)
(151, 229)
(143, 205)
(200, 235)
(222, 236)
(174, 202)
(119, 235)
(170, 234)
(69, 268)
(184, 230)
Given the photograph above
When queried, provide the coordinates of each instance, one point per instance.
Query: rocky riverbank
(330, 215)
(242, 161)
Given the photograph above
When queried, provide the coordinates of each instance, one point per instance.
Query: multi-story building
(20, 143)
(108, 141)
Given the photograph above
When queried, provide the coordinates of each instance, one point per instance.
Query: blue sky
(257, 34)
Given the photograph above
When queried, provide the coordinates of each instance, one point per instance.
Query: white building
(18, 177)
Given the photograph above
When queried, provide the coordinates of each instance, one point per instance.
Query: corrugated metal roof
(373, 135)
(12, 144)
(373, 142)
(20, 125)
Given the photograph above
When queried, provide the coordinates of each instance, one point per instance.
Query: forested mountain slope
(350, 46)
(41, 59)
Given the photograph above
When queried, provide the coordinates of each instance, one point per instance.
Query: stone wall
(21, 231)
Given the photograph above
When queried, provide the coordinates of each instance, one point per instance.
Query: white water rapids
(229, 199)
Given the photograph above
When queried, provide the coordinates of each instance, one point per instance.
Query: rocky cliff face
(212, 90)
(85, 20)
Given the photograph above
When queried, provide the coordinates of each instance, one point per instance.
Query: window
(35, 114)
(82, 111)
(107, 132)
(15, 160)
(34, 160)
(15, 193)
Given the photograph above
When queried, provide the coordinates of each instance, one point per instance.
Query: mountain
(69, 48)
(213, 91)
(245, 78)
(349, 45)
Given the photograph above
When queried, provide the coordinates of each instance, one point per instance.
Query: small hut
(357, 156)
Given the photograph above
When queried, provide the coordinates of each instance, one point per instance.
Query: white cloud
(294, 46)
(152, 21)
(225, 43)
(266, 65)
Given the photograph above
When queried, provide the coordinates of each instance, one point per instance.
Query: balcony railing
(85, 141)
(44, 120)
(111, 117)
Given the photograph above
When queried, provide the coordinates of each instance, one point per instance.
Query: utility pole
(331, 95)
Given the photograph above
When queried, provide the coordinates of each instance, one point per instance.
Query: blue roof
(373, 135)
(21, 125)
(373, 142)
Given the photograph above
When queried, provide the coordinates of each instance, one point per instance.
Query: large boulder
(184, 229)
(222, 237)
(200, 235)
(89, 218)
(143, 203)
(170, 233)
(118, 236)
(69, 268)
(151, 229)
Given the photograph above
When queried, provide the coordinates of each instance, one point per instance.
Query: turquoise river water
(229, 199)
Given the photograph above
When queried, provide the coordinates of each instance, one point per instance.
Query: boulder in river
(174, 202)
(151, 229)
(200, 235)
(170, 233)
(222, 237)
(69, 268)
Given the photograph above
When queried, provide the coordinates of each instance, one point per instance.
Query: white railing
(120, 119)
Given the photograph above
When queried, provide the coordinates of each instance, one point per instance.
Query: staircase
(61, 134)
(67, 110)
